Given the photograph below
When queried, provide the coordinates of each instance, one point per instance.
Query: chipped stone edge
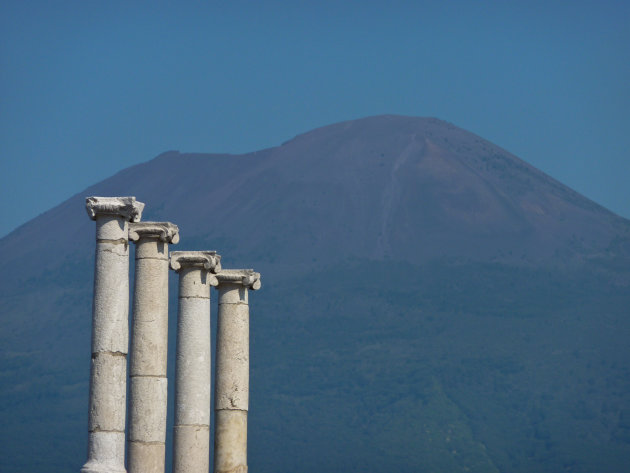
(247, 277)
(164, 231)
(127, 207)
(208, 260)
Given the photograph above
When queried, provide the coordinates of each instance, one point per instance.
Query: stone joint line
(120, 241)
(236, 469)
(147, 376)
(112, 380)
(146, 443)
(110, 353)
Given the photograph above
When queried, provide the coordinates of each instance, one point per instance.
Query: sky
(90, 88)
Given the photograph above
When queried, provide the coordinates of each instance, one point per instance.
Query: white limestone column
(191, 431)
(231, 398)
(110, 332)
(149, 342)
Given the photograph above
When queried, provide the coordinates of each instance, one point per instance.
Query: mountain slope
(430, 302)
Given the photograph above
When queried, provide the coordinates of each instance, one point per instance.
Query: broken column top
(208, 260)
(127, 207)
(247, 277)
(163, 231)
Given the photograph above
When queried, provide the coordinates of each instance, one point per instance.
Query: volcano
(430, 302)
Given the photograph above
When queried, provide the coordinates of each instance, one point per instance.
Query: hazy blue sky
(88, 88)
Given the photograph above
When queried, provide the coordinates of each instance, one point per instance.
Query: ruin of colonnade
(117, 223)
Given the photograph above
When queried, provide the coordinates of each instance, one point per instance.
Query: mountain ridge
(429, 301)
(391, 187)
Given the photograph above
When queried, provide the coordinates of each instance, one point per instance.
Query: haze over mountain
(430, 302)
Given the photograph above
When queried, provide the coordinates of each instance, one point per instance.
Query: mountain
(430, 302)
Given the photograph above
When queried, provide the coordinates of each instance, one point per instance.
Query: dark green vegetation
(429, 303)
(451, 367)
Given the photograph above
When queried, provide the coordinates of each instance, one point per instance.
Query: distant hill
(430, 302)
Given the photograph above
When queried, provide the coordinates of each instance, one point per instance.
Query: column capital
(208, 260)
(127, 207)
(247, 277)
(163, 231)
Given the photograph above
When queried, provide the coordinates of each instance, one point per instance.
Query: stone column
(191, 432)
(231, 398)
(110, 332)
(149, 342)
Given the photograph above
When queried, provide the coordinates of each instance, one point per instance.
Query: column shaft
(149, 342)
(110, 337)
(232, 380)
(231, 399)
(191, 431)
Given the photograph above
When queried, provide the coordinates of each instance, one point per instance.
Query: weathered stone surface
(150, 319)
(191, 441)
(127, 207)
(166, 232)
(192, 362)
(146, 457)
(231, 400)
(196, 271)
(105, 451)
(232, 357)
(107, 392)
(110, 332)
(208, 260)
(110, 329)
(152, 249)
(147, 411)
(246, 277)
(149, 342)
(230, 441)
(112, 228)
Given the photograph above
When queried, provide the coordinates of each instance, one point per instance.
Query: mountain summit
(392, 187)
(431, 302)
(385, 187)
